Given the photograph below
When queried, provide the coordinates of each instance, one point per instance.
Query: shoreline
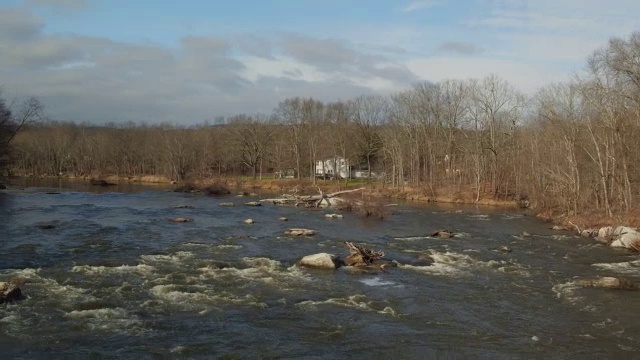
(454, 195)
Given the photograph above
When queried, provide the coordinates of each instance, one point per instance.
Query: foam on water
(358, 302)
(48, 289)
(175, 258)
(107, 319)
(263, 270)
(569, 292)
(481, 217)
(413, 238)
(455, 264)
(198, 297)
(626, 268)
(140, 269)
(376, 281)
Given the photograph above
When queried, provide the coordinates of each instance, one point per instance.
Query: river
(108, 276)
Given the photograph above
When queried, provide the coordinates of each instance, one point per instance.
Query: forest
(568, 149)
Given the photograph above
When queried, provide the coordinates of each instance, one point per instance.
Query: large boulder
(629, 240)
(321, 260)
(9, 292)
(606, 232)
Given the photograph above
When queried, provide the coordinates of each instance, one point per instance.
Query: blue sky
(188, 61)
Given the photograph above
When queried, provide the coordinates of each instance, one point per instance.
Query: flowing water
(108, 276)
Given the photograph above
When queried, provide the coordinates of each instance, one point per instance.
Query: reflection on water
(108, 275)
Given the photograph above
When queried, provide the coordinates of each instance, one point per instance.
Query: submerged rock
(525, 234)
(9, 292)
(180, 220)
(183, 207)
(443, 234)
(299, 232)
(283, 219)
(608, 283)
(249, 221)
(216, 190)
(334, 216)
(46, 226)
(253, 203)
(558, 227)
(504, 249)
(226, 204)
(187, 189)
(100, 183)
(321, 261)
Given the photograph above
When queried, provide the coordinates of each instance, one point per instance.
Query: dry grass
(596, 220)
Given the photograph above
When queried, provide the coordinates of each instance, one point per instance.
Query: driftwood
(360, 256)
(322, 199)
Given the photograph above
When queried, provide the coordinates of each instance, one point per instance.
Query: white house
(334, 167)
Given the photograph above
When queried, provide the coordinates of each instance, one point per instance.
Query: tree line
(570, 148)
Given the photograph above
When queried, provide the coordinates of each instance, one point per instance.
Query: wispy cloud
(69, 4)
(460, 47)
(418, 5)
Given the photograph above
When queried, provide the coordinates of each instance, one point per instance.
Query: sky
(190, 61)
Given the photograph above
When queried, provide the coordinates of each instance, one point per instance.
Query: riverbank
(450, 195)
(375, 191)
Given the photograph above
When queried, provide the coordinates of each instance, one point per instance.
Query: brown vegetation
(568, 151)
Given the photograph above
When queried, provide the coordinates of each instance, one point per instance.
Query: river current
(108, 276)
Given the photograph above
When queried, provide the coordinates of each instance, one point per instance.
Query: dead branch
(360, 256)
(310, 200)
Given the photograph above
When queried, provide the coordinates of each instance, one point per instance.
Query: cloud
(460, 47)
(18, 24)
(340, 58)
(98, 80)
(418, 5)
(69, 4)
(526, 77)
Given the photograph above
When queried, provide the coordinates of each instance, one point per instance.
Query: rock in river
(249, 221)
(253, 203)
(300, 232)
(608, 283)
(9, 292)
(443, 234)
(100, 183)
(181, 220)
(321, 260)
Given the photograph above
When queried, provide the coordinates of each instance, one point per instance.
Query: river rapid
(108, 276)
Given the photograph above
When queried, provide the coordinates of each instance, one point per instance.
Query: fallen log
(360, 256)
(319, 200)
